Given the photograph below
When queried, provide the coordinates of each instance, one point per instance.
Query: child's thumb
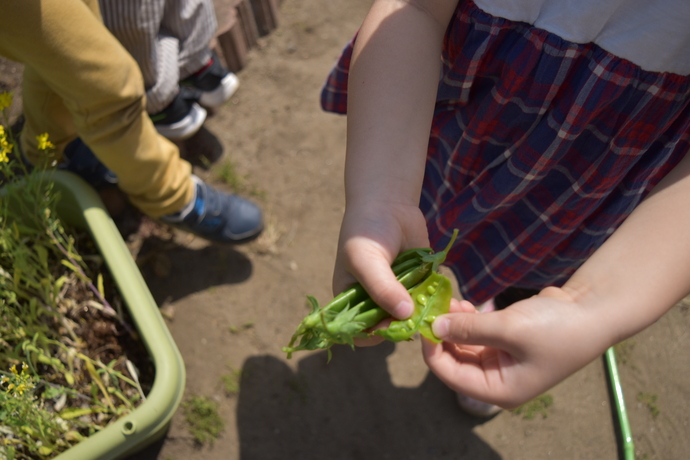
(385, 290)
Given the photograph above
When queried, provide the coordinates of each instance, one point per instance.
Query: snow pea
(431, 299)
(352, 313)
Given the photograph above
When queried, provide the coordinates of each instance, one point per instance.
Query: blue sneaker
(218, 216)
(79, 159)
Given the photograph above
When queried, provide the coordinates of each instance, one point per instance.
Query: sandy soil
(231, 309)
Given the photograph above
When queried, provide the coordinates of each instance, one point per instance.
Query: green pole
(614, 378)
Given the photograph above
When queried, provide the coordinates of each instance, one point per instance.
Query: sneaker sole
(219, 96)
(240, 240)
(186, 127)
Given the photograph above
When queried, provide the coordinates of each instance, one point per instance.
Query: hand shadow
(173, 272)
(348, 409)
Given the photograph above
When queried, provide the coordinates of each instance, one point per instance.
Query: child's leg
(102, 89)
(137, 24)
(194, 23)
(44, 112)
(169, 39)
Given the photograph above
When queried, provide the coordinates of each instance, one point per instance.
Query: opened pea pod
(352, 313)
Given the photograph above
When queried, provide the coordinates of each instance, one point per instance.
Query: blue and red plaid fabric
(539, 149)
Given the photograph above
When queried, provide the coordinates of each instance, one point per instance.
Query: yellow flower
(21, 389)
(5, 146)
(5, 100)
(20, 383)
(43, 142)
(4, 150)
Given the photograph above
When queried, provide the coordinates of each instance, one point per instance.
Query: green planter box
(81, 206)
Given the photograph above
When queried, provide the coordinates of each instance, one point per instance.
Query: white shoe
(216, 83)
(186, 127)
(487, 307)
(219, 96)
(476, 407)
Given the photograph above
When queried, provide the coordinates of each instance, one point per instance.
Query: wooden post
(233, 44)
(266, 14)
(245, 14)
(240, 24)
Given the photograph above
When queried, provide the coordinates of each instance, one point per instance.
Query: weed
(24, 412)
(231, 382)
(536, 406)
(624, 350)
(227, 172)
(54, 389)
(243, 327)
(203, 417)
(649, 400)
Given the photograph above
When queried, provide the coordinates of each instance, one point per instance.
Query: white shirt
(653, 34)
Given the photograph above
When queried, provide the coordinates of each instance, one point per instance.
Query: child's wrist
(591, 317)
(610, 317)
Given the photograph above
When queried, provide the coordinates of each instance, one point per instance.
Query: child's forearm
(392, 88)
(643, 269)
(391, 94)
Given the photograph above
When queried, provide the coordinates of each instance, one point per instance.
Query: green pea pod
(431, 299)
(411, 254)
(352, 312)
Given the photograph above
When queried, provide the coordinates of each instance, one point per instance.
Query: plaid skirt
(539, 149)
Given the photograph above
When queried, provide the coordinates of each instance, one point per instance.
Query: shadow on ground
(345, 410)
(202, 149)
(349, 409)
(173, 272)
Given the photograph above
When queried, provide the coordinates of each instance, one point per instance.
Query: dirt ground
(231, 310)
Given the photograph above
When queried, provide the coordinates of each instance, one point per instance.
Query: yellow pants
(79, 81)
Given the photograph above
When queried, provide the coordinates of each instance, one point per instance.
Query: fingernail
(403, 310)
(440, 327)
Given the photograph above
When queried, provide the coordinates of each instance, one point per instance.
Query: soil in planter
(107, 338)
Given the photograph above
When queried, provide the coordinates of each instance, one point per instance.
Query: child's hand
(510, 356)
(370, 239)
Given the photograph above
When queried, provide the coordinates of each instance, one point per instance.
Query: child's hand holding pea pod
(352, 313)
